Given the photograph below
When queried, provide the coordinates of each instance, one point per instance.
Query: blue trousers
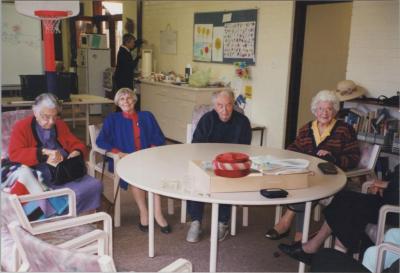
(196, 210)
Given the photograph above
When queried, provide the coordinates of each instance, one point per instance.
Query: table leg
(306, 227)
(262, 137)
(214, 238)
(151, 224)
(233, 220)
(87, 123)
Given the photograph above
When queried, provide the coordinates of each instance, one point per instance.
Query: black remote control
(274, 193)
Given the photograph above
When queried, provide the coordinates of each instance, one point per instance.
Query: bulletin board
(225, 36)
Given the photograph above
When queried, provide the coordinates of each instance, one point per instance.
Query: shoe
(223, 231)
(272, 234)
(167, 229)
(296, 252)
(144, 228)
(194, 232)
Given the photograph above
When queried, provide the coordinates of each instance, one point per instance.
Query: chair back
(94, 131)
(369, 155)
(40, 256)
(8, 121)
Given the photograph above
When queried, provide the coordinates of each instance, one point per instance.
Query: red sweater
(25, 146)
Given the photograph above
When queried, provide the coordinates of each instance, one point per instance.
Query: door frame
(296, 65)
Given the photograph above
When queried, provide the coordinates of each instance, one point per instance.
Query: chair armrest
(382, 248)
(96, 235)
(384, 210)
(114, 156)
(104, 152)
(103, 217)
(39, 228)
(365, 186)
(180, 265)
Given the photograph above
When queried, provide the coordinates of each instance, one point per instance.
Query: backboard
(29, 7)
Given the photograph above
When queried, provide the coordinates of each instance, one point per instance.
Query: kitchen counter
(183, 85)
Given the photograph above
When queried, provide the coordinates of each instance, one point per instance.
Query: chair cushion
(7, 122)
(61, 236)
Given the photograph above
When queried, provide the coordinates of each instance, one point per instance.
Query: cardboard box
(205, 181)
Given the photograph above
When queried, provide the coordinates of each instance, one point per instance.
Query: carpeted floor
(248, 251)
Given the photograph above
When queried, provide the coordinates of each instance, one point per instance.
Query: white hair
(226, 92)
(47, 100)
(325, 95)
(124, 91)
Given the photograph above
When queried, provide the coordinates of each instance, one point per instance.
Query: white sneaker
(223, 231)
(194, 232)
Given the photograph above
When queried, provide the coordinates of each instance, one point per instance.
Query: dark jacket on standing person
(125, 68)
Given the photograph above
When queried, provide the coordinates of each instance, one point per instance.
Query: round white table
(157, 168)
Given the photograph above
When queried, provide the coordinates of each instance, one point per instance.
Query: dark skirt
(349, 213)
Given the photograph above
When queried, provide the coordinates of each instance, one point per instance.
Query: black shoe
(296, 252)
(167, 229)
(144, 228)
(274, 235)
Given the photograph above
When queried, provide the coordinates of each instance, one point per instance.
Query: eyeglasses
(48, 117)
(325, 109)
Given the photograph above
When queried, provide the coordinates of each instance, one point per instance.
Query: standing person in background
(126, 64)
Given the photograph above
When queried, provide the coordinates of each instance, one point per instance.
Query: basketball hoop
(51, 19)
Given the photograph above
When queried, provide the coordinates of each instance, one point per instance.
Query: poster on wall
(168, 39)
(202, 42)
(225, 36)
(218, 44)
(239, 40)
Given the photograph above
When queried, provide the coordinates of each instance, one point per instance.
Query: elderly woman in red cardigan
(324, 137)
(43, 140)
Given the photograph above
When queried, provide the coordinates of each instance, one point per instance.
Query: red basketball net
(51, 19)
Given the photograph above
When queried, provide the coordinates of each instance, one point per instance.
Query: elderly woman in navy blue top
(127, 132)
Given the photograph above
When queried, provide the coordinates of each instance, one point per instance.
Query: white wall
(21, 48)
(270, 75)
(374, 51)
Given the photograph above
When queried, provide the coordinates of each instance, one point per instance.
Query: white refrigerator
(91, 65)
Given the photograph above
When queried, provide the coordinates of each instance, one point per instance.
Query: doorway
(319, 56)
